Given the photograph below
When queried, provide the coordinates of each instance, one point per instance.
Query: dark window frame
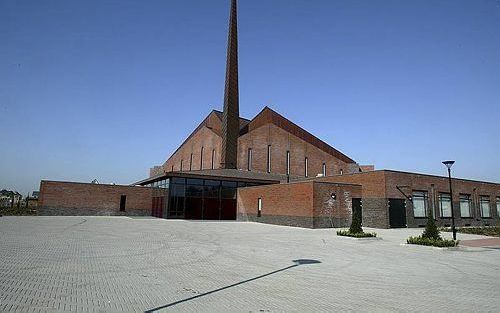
(461, 199)
(425, 196)
(249, 159)
(288, 162)
(443, 196)
(213, 158)
(259, 207)
(269, 165)
(201, 159)
(481, 201)
(306, 167)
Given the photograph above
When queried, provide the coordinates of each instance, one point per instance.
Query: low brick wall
(81, 199)
(305, 204)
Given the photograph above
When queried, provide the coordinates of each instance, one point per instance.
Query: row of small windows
(250, 162)
(420, 201)
(201, 161)
(288, 163)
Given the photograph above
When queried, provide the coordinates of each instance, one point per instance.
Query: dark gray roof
(223, 174)
(234, 173)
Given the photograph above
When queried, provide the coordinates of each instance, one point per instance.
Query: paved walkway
(111, 264)
(489, 243)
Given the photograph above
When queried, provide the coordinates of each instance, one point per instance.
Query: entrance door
(397, 213)
(357, 208)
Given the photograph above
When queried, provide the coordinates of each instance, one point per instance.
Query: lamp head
(449, 164)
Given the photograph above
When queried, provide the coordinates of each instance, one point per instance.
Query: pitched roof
(268, 115)
(208, 122)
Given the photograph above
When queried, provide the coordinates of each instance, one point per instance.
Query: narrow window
(249, 159)
(341, 172)
(191, 162)
(201, 158)
(213, 159)
(123, 203)
(288, 162)
(445, 204)
(420, 200)
(182, 163)
(465, 201)
(306, 167)
(269, 158)
(498, 206)
(172, 168)
(259, 207)
(484, 204)
(324, 169)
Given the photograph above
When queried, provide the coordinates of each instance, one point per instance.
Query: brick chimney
(231, 116)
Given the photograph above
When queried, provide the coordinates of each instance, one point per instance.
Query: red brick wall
(435, 185)
(306, 204)
(373, 182)
(93, 198)
(280, 199)
(344, 193)
(261, 134)
(205, 138)
(281, 141)
(378, 186)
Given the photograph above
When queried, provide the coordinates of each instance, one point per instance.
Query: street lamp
(449, 164)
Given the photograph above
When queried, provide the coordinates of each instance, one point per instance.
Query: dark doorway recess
(123, 203)
(357, 208)
(397, 213)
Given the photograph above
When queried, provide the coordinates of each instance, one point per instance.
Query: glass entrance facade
(196, 198)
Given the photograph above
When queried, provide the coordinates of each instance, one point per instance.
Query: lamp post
(449, 164)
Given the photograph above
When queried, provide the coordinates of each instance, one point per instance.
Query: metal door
(357, 208)
(397, 213)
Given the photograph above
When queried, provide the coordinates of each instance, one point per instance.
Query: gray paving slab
(120, 264)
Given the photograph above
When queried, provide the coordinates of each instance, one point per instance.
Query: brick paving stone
(116, 264)
(487, 242)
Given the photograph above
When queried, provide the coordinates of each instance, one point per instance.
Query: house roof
(9, 193)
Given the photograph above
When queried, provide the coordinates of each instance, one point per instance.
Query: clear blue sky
(107, 89)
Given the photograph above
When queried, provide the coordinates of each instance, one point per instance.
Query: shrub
(485, 230)
(348, 233)
(431, 231)
(442, 243)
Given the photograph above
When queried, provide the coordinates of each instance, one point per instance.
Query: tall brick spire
(231, 116)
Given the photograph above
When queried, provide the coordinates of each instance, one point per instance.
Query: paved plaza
(112, 264)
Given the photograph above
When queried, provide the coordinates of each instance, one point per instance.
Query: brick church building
(270, 170)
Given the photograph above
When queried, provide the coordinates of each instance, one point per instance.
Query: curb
(362, 239)
(459, 248)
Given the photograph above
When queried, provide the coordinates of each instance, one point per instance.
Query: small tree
(431, 231)
(356, 223)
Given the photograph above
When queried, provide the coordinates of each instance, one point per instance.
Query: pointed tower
(231, 116)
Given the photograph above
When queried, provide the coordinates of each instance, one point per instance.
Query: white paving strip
(121, 264)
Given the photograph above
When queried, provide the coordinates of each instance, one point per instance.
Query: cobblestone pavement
(113, 264)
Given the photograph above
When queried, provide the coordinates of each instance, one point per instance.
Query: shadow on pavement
(296, 263)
